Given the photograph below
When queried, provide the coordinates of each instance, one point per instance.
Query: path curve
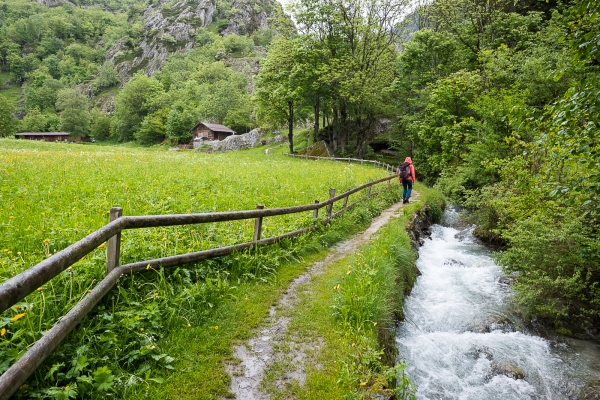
(259, 353)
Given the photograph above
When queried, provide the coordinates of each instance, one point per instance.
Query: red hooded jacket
(412, 176)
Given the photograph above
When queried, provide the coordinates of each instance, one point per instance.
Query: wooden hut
(204, 131)
(46, 136)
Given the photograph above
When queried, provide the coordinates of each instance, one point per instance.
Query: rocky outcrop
(170, 28)
(236, 142)
(53, 3)
(248, 17)
(319, 149)
(166, 29)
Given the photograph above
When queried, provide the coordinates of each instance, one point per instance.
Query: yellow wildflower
(363, 384)
(17, 317)
(3, 332)
(101, 246)
(348, 273)
(39, 289)
(353, 344)
(148, 266)
(217, 327)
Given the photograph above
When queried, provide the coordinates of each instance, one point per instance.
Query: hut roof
(42, 134)
(214, 127)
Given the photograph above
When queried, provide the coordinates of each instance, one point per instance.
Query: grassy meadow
(52, 195)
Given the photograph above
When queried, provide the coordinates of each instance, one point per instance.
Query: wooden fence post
(316, 212)
(114, 243)
(369, 188)
(330, 206)
(258, 224)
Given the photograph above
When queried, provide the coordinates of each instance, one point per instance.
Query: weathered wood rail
(18, 287)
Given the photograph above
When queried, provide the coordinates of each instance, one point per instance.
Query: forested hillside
(63, 65)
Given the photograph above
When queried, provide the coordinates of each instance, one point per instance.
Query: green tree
(153, 128)
(100, 128)
(179, 122)
(107, 76)
(277, 97)
(34, 121)
(74, 115)
(8, 123)
(139, 97)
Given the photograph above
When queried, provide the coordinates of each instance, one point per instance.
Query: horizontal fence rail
(18, 287)
(388, 167)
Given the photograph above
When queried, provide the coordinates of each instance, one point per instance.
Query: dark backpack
(404, 171)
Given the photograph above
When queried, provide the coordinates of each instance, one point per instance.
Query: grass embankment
(54, 194)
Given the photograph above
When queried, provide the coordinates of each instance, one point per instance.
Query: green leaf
(53, 370)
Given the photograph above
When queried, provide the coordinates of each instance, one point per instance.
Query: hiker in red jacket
(406, 175)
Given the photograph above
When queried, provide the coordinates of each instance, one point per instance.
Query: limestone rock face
(166, 29)
(237, 142)
(171, 28)
(51, 3)
(246, 19)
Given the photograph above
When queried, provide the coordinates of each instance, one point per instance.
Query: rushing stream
(463, 337)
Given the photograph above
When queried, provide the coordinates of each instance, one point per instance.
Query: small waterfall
(464, 339)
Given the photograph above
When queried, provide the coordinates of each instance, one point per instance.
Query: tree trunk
(336, 128)
(291, 125)
(316, 129)
(360, 153)
(344, 134)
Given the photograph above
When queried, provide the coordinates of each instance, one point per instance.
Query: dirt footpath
(258, 354)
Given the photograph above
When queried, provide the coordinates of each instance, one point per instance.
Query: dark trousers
(407, 188)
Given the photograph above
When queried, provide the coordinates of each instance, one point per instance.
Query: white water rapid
(463, 339)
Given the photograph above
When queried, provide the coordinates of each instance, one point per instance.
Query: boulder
(319, 149)
(591, 391)
(493, 323)
(510, 370)
(236, 142)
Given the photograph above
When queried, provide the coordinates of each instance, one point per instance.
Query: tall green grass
(53, 194)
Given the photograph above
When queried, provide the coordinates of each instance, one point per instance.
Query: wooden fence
(18, 287)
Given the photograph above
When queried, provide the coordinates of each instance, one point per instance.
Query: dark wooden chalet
(47, 136)
(206, 131)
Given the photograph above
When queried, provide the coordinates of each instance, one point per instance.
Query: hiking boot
(406, 200)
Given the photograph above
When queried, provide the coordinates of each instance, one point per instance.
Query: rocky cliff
(169, 27)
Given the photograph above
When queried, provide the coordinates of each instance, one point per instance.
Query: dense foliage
(499, 104)
(339, 67)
